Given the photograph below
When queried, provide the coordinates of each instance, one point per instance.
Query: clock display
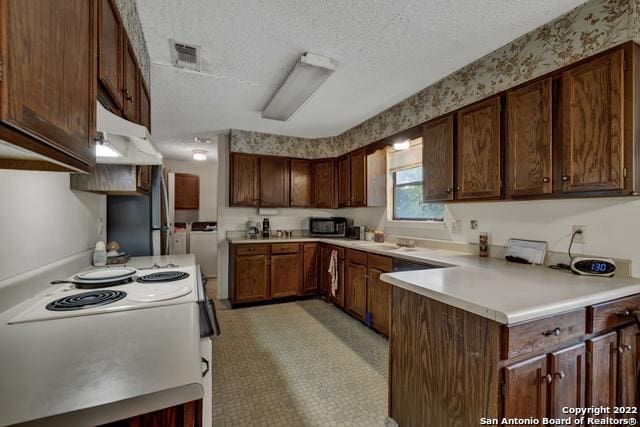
(594, 266)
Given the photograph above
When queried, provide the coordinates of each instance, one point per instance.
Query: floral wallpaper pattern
(131, 22)
(593, 27)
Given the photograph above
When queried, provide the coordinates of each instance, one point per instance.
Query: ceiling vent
(185, 55)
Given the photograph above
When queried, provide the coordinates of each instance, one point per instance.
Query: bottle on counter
(100, 254)
(484, 245)
(265, 228)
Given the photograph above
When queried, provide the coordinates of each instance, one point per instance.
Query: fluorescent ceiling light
(200, 155)
(305, 78)
(404, 145)
(105, 149)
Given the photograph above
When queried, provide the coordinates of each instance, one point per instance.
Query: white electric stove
(150, 287)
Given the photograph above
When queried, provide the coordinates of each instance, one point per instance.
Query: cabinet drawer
(252, 249)
(611, 314)
(340, 250)
(356, 257)
(285, 248)
(536, 335)
(380, 262)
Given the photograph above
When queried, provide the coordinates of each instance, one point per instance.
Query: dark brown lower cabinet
(310, 269)
(286, 275)
(379, 293)
(629, 353)
(567, 369)
(355, 298)
(251, 278)
(525, 389)
(602, 369)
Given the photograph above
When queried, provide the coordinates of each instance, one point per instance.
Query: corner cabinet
(479, 162)
(324, 184)
(301, 183)
(48, 89)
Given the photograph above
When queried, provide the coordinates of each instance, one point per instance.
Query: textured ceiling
(384, 51)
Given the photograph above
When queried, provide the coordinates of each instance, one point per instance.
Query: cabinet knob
(560, 375)
(448, 190)
(552, 332)
(623, 313)
(548, 378)
(565, 177)
(624, 348)
(545, 179)
(459, 187)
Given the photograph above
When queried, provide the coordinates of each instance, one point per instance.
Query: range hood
(121, 142)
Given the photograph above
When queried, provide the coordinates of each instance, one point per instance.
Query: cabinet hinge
(624, 65)
(1, 69)
(503, 389)
(625, 173)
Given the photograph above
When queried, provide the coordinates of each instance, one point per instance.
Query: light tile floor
(304, 363)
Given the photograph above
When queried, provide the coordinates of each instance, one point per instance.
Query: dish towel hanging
(333, 271)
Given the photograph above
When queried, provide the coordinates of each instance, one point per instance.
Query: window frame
(407, 184)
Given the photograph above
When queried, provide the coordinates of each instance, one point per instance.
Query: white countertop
(490, 287)
(102, 367)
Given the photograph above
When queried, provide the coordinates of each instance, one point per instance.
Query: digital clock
(593, 266)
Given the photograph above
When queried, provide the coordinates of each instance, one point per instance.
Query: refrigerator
(135, 222)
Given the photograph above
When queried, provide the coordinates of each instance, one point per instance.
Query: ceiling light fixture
(200, 155)
(307, 75)
(204, 140)
(403, 145)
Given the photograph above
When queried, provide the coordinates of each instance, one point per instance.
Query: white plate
(160, 292)
(105, 275)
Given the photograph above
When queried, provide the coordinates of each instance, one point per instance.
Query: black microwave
(328, 227)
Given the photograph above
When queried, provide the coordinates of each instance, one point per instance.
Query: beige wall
(208, 173)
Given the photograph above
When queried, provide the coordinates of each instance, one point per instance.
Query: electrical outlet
(579, 238)
(473, 224)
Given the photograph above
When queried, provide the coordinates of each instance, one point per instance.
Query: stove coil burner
(163, 276)
(86, 300)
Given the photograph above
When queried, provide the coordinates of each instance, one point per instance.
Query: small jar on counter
(483, 245)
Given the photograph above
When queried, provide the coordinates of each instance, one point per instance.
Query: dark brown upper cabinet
(243, 180)
(358, 179)
(130, 83)
(274, 182)
(324, 184)
(529, 140)
(110, 51)
(187, 191)
(48, 81)
(593, 124)
(144, 117)
(301, 178)
(437, 160)
(344, 181)
(479, 151)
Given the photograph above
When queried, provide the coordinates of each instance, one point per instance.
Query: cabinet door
(274, 182)
(187, 191)
(286, 275)
(110, 50)
(602, 365)
(300, 183)
(310, 278)
(359, 178)
(325, 277)
(251, 278)
(593, 120)
(324, 184)
(145, 106)
(243, 180)
(130, 83)
(437, 160)
(567, 368)
(530, 132)
(340, 292)
(49, 82)
(629, 353)
(355, 297)
(379, 301)
(344, 181)
(525, 389)
(479, 151)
